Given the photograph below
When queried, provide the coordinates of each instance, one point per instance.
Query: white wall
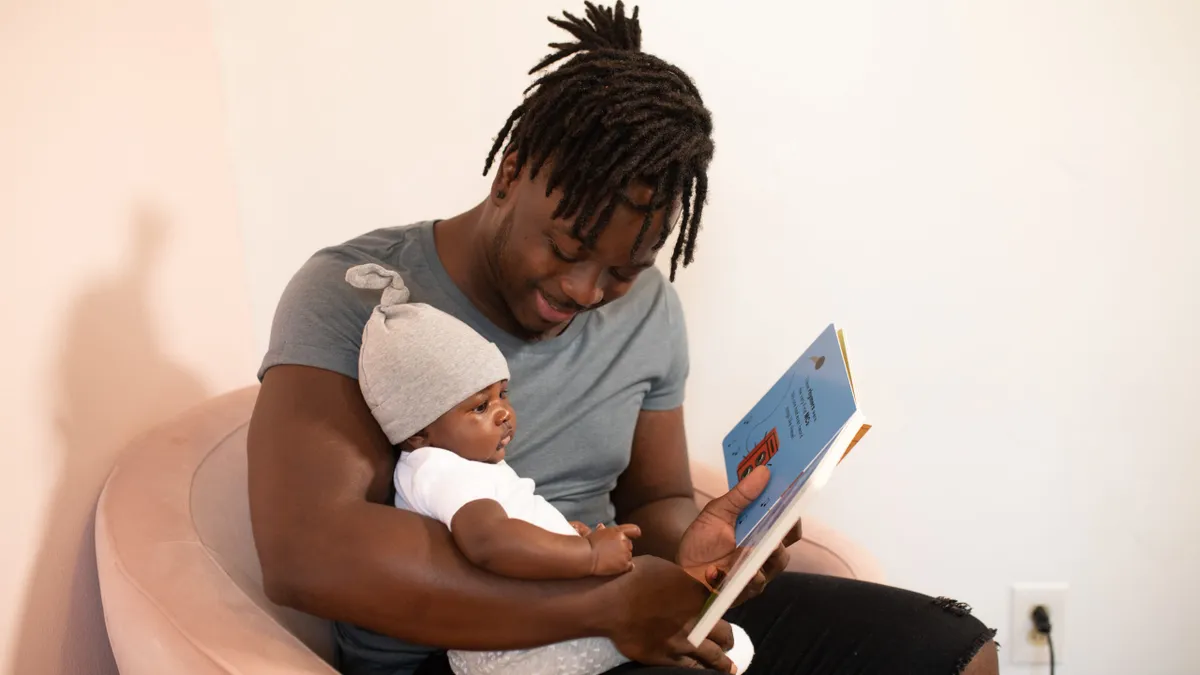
(122, 289)
(995, 199)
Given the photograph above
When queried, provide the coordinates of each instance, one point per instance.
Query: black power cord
(1041, 621)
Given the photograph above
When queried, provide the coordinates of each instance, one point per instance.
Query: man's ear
(506, 174)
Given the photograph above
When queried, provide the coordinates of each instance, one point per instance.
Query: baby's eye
(504, 393)
(481, 408)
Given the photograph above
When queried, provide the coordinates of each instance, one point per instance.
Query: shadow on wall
(114, 381)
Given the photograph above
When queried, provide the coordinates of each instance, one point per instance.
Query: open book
(801, 429)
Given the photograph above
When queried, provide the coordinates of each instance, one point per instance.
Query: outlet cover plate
(1024, 645)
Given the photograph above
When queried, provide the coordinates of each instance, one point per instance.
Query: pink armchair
(180, 578)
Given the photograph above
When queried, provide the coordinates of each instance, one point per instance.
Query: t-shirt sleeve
(443, 483)
(667, 388)
(320, 318)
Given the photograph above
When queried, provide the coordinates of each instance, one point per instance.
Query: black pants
(806, 624)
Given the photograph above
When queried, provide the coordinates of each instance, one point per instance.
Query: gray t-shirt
(577, 396)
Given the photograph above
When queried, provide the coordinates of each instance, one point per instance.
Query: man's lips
(552, 312)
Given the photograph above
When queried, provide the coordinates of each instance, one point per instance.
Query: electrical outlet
(1025, 644)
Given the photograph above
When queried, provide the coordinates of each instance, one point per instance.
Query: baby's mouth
(504, 441)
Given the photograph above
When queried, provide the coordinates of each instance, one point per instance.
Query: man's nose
(583, 285)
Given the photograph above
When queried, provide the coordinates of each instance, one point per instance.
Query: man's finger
(730, 505)
(753, 589)
(715, 575)
(794, 535)
(680, 653)
(776, 563)
(712, 656)
(722, 635)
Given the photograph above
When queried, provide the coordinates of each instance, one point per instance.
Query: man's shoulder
(320, 316)
(323, 275)
(390, 246)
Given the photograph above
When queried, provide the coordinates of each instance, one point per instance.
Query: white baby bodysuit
(437, 483)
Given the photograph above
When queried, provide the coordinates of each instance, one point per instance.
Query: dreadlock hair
(608, 116)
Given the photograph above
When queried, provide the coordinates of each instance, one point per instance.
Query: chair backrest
(179, 573)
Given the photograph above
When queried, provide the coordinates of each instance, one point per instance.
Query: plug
(1036, 608)
(1041, 623)
(1041, 619)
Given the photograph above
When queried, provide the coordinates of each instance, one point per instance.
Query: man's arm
(319, 473)
(514, 548)
(655, 491)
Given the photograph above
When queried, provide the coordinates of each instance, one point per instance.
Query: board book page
(801, 428)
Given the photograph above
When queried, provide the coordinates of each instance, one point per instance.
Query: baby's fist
(612, 549)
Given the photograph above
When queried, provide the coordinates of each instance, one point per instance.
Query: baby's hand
(612, 549)
(582, 529)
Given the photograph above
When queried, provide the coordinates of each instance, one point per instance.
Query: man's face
(546, 275)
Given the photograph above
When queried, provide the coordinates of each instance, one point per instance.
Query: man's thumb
(731, 504)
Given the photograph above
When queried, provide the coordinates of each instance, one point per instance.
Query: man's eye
(623, 277)
(558, 253)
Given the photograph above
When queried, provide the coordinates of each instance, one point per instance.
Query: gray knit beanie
(417, 362)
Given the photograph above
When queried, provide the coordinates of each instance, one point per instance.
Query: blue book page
(791, 425)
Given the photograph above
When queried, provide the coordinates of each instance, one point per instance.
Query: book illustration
(761, 454)
(777, 391)
(778, 394)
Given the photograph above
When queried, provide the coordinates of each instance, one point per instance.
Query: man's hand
(654, 607)
(612, 549)
(709, 547)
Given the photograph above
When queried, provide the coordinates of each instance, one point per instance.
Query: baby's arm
(518, 549)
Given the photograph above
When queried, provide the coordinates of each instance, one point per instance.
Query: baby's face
(479, 428)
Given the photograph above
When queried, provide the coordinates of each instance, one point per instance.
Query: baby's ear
(417, 440)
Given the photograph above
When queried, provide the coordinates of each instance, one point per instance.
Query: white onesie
(437, 483)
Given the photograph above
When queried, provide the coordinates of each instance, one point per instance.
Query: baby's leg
(588, 656)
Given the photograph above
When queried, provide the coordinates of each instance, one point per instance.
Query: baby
(439, 390)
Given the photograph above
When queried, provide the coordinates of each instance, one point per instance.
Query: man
(603, 161)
